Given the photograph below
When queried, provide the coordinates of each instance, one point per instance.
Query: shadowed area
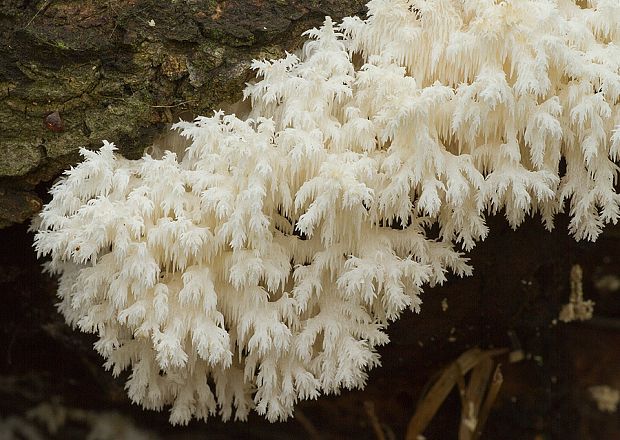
(520, 282)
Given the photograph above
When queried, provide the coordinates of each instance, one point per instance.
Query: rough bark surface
(75, 72)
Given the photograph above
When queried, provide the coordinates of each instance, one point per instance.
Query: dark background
(520, 282)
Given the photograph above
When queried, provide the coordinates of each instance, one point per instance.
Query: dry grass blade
(451, 376)
(45, 5)
(374, 420)
(476, 390)
(313, 433)
(496, 384)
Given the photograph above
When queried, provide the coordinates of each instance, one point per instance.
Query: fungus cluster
(263, 265)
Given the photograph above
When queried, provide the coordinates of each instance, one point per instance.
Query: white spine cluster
(263, 266)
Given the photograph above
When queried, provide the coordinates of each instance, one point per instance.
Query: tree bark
(74, 72)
